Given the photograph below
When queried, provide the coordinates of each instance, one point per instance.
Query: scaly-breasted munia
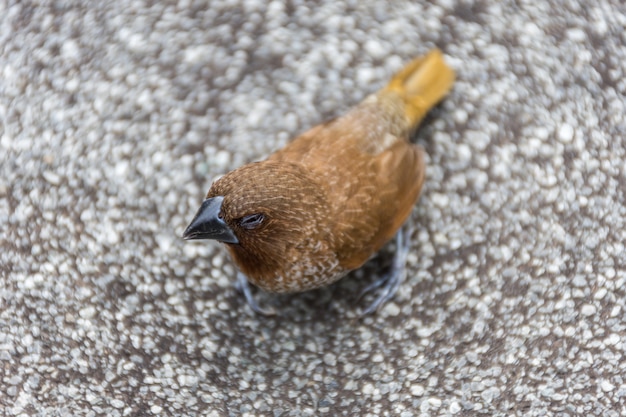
(324, 204)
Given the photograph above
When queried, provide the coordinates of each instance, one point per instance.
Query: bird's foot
(391, 281)
(243, 286)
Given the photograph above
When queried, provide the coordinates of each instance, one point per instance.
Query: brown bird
(324, 204)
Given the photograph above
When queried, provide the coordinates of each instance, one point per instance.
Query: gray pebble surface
(116, 116)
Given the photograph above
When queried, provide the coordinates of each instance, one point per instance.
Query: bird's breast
(306, 273)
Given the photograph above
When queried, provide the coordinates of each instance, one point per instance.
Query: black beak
(207, 223)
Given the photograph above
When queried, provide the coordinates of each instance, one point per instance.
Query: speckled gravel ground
(115, 117)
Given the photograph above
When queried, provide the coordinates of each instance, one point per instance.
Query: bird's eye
(252, 221)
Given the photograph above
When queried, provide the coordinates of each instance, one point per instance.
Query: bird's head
(260, 210)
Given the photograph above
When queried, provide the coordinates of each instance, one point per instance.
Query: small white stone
(463, 152)
(613, 339)
(196, 53)
(501, 170)
(121, 169)
(187, 380)
(72, 85)
(221, 159)
(117, 403)
(417, 390)
(615, 311)
(136, 42)
(330, 359)
(156, 409)
(434, 402)
(87, 312)
(576, 35)
(92, 398)
(566, 133)
(490, 394)
(170, 287)
(460, 116)
(365, 76)
(588, 310)
(375, 49)
(70, 50)
(86, 215)
(368, 389)
(607, 386)
(391, 309)
(165, 242)
(174, 300)
(190, 251)
(111, 236)
(477, 139)
(600, 294)
(440, 200)
(424, 332)
(454, 408)
(440, 239)
(52, 177)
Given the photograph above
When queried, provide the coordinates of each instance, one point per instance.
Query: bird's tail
(422, 83)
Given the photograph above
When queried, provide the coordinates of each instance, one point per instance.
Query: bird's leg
(391, 281)
(243, 286)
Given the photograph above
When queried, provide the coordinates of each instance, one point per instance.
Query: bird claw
(391, 281)
(243, 286)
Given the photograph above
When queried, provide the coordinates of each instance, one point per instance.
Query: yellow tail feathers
(422, 83)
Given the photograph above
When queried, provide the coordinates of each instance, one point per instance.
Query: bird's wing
(370, 190)
(383, 196)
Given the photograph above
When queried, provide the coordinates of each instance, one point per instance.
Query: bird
(327, 202)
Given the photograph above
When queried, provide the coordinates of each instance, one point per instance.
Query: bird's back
(371, 175)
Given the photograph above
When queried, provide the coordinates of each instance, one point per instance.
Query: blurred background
(115, 117)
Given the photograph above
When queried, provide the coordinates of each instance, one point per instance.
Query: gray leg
(243, 286)
(391, 281)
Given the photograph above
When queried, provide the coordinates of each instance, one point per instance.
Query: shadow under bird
(325, 203)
